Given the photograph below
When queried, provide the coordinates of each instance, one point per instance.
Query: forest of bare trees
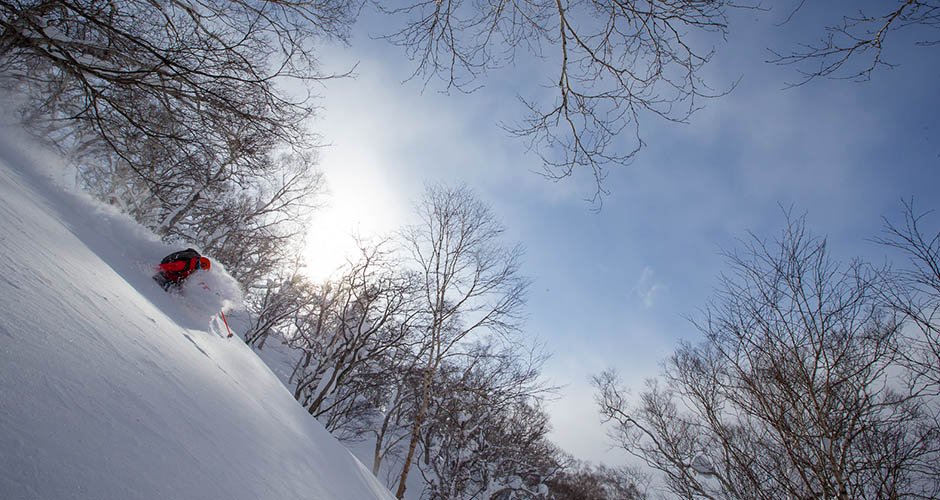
(418, 350)
(813, 378)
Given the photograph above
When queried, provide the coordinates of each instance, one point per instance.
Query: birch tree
(796, 390)
(470, 286)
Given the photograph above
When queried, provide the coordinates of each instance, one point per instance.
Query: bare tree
(252, 222)
(192, 75)
(173, 109)
(469, 285)
(354, 361)
(349, 325)
(486, 433)
(397, 405)
(611, 63)
(273, 305)
(796, 391)
(855, 47)
(916, 293)
(582, 481)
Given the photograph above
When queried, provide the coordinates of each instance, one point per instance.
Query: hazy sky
(614, 288)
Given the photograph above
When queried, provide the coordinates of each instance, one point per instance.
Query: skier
(177, 266)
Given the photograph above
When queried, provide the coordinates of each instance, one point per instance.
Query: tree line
(416, 348)
(814, 379)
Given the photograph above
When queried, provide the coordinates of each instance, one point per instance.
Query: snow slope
(112, 389)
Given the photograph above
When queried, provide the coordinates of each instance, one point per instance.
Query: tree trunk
(416, 429)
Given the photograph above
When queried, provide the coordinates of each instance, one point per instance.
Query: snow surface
(111, 388)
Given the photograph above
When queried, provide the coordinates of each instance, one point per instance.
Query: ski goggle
(204, 263)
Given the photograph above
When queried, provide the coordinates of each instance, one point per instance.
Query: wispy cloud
(647, 289)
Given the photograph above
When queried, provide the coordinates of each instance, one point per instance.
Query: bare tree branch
(616, 63)
(854, 48)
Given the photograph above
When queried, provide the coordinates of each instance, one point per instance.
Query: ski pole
(226, 323)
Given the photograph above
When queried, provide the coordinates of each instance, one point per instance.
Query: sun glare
(329, 245)
(357, 205)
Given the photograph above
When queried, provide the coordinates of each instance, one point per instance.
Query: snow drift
(111, 388)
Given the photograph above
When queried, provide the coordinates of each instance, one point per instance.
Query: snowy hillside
(111, 388)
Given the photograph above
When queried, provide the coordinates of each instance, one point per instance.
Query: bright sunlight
(359, 203)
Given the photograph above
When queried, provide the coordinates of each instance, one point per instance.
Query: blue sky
(614, 288)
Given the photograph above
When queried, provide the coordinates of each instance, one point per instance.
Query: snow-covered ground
(111, 388)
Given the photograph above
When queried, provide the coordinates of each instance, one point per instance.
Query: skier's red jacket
(176, 267)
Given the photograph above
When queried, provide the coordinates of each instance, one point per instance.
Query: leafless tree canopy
(486, 434)
(854, 47)
(797, 391)
(161, 86)
(470, 285)
(417, 351)
(172, 72)
(172, 110)
(582, 481)
(915, 293)
(610, 63)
